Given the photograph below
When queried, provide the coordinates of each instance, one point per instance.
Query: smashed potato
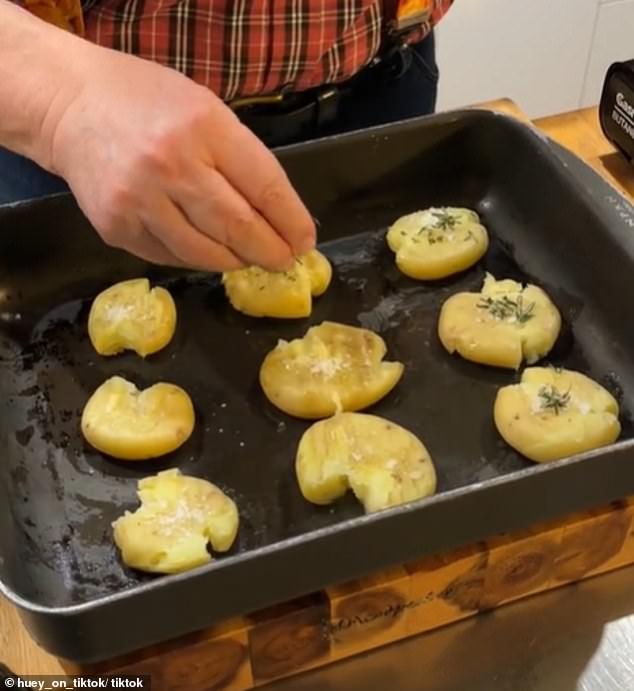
(553, 414)
(132, 316)
(437, 243)
(132, 425)
(333, 368)
(285, 294)
(383, 464)
(503, 325)
(178, 517)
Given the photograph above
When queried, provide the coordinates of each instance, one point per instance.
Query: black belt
(286, 117)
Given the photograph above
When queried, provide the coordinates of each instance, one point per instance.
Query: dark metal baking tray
(58, 497)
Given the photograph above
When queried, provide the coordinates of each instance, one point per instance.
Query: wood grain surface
(399, 602)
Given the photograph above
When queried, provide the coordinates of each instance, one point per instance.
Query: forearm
(39, 75)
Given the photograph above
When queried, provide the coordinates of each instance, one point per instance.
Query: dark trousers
(375, 102)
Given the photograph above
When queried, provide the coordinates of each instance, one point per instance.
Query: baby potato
(284, 295)
(383, 464)
(552, 414)
(178, 517)
(501, 326)
(437, 243)
(333, 368)
(132, 425)
(132, 316)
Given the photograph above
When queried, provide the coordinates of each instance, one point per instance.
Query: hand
(163, 169)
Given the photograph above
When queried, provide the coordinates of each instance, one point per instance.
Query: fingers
(214, 208)
(147, 247)
(193, 249)
(256, 174)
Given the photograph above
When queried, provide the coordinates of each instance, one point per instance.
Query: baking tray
(58, 497)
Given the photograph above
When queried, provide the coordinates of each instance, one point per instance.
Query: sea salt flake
(327, 368)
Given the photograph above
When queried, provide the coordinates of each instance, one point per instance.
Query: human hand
(162, 168)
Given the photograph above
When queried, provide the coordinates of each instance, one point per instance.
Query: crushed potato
(125, 423)
(437, 243)
(285, 294)
(333, 368)
(383, 463)
(178, 517)
(552, 414)
(132, 316)
(503, 325)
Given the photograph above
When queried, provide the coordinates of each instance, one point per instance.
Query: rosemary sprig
(444, 220)
(506, 308)
(552, 399)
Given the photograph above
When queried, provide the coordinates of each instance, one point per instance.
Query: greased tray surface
(58, 497)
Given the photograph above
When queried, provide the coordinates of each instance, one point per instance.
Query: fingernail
(306, 244)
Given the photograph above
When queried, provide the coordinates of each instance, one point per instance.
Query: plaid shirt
(242, 48)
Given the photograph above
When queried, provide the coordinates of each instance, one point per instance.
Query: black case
(616, 110)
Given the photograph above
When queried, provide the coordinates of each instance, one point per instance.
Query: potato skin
(132, 316)
(436, 243)
(179, 515)
(282, 295)
(589, 420)
(477, 335)
(384, 464)
(132, 425)
(334, 367)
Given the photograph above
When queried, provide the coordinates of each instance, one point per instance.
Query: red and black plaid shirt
(241, 48)
(248, 47)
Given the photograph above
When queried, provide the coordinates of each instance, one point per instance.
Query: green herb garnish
(506, 308)
(552, 399)
(444, 220)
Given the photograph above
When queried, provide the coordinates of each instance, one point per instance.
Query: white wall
(549, 56)
(613, 41)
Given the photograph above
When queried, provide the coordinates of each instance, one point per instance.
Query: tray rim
(313, 535)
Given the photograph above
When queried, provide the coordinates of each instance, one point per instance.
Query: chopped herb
(552, 399)
(506, 308)
(433, 239)
(444, 220)
(299, 261)
(470, 236)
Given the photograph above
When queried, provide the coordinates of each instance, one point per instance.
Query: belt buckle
(263, 100)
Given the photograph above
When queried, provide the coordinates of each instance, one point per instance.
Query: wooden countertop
(578, 131)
